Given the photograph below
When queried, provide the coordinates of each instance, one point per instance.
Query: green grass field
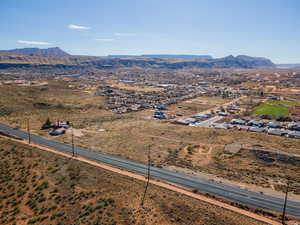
(274, 108)
(281, 102)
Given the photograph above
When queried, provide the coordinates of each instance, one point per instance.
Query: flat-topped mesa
(37, 51)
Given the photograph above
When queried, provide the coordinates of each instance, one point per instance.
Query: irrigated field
(273, 108)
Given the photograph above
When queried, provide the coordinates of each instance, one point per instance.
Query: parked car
(276, 132)
(238, 122)
(223, 114)
(293, 126)
(57, 132)
(224, 126)
(159, 115)
(257, 129)
(293, 134)
(273, 124)
(186, 121)
(201, 116)
(256, 123)
(161, 107)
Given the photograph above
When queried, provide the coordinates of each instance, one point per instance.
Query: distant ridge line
(164, 56)
(37, 51)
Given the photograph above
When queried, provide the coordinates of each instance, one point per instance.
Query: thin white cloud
(104, 39)
(33, 42)
(77, 27)
(125, 34)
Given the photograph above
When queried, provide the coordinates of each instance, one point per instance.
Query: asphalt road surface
(209, 122)
(229, 192)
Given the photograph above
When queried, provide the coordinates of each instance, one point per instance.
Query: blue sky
(269, 28)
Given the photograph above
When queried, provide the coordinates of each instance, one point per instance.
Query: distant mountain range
(288, 66)
(55, 57)
(243, 61)
(163, 56)
(37, 51)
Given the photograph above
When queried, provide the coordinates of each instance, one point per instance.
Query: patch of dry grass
(136, 88)
(197, 105)
(38, 187)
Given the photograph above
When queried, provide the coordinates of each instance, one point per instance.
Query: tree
(47, 124)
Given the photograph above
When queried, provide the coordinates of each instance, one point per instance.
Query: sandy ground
(225, 105)
(201, 155)
(76, 132)
(172, 187)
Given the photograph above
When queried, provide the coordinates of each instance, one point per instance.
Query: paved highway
(229, 192)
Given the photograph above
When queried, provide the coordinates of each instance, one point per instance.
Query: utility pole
(28, 131)
(73, 151)
(148, 176)
(285, 201)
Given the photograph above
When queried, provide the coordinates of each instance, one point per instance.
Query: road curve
(228, 192)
